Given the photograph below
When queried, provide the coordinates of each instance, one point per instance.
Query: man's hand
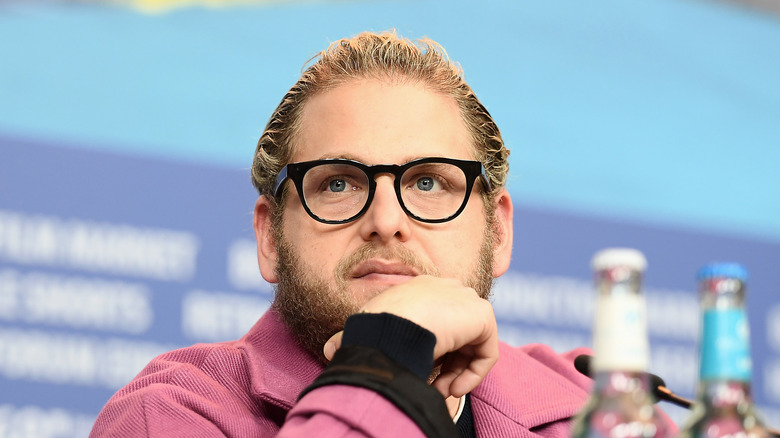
(463, 323)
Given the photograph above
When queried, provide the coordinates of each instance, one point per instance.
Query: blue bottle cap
(719, 270)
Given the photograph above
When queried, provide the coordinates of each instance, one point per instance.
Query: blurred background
(127, 130)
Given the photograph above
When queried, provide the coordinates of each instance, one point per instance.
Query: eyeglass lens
(428, 190)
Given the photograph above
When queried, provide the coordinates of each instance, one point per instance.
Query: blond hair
(377, 56)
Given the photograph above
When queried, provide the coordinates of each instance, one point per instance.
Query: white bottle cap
(613, 257)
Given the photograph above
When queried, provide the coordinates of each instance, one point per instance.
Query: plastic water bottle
(724, 407)
(621, 403)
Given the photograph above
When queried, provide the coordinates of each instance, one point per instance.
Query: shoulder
(190, 375)
(186, 366)
(198, 388)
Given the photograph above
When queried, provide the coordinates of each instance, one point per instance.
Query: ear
(502, 246)
(266, 245)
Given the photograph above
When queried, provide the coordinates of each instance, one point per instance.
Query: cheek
(457, 250)
(317, 248)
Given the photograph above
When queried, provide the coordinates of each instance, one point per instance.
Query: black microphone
(660, 391)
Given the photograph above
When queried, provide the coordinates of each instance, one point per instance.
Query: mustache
(373, 250)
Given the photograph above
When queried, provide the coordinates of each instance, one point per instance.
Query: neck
(453, 405)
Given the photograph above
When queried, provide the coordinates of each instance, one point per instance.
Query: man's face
(327, 272)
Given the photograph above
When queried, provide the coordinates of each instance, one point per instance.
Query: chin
(361, 294)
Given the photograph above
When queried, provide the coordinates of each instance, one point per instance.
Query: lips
(383, 267)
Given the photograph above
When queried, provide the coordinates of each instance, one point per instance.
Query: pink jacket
(249, 387)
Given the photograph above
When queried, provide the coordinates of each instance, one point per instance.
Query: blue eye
(426, 183)
(337, 185)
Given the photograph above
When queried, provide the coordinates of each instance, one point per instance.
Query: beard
(315, 310)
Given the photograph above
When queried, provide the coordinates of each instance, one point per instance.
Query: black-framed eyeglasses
(337, 191)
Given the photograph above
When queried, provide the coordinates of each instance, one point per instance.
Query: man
(382, 204)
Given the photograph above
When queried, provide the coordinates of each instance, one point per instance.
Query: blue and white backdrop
(127, 131)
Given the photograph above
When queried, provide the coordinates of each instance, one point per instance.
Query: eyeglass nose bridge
(372, 172)
(393, 169)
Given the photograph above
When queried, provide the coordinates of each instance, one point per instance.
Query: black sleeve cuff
(400, 339)
(370, 368)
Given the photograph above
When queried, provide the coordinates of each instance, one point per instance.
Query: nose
(385, 220)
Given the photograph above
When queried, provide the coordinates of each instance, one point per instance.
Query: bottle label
(725, 345)
(620, 334)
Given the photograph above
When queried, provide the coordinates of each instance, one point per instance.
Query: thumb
(333, 344)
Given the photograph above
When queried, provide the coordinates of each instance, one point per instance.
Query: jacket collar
(279, 367)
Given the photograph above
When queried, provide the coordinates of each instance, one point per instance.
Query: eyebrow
(355, 158)
(338, 156)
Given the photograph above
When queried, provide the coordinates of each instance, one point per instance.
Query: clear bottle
(724, 407)
(621, 403)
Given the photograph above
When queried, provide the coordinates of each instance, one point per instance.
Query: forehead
(379, 121)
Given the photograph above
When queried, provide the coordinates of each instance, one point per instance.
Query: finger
(442, 383)
(477, 368)
(457, 383)
(462, 371)
(452, 381)
(333, 344)
(466, 381)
